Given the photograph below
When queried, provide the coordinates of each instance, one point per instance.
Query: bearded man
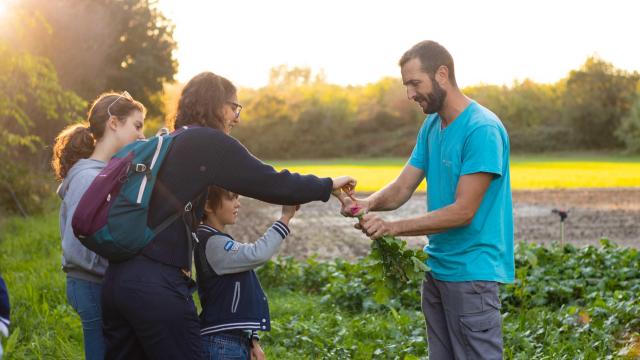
(463, 151)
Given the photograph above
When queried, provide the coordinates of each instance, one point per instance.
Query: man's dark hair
(432, 55)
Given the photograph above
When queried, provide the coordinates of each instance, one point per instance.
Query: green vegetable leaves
(394, 266)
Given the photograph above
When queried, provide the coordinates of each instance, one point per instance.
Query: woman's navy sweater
(200, 157)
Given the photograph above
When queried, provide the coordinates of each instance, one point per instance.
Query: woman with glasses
(80, 152)
(147, 304)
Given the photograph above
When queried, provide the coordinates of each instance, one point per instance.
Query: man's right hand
(353, 207)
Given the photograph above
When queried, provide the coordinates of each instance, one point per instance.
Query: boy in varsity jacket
(234, 306)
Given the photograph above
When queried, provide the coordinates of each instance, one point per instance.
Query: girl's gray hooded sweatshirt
(78, 261)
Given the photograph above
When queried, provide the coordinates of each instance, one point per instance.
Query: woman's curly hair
(202, 100)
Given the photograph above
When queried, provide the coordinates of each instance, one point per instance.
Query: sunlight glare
(5, 9)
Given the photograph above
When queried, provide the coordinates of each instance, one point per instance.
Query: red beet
(355, 210)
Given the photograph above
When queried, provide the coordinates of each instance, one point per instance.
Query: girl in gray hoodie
(80, 152)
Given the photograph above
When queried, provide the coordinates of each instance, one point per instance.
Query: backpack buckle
(141, 168)
(188, 207)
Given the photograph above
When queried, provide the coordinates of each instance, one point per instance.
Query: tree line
(297, 115)
(56, 56)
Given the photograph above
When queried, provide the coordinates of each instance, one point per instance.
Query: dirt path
(320, 230)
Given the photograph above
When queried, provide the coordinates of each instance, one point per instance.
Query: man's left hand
(374, 226)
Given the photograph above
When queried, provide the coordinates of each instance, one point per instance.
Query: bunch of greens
(392, 265)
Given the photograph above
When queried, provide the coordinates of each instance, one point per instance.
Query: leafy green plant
(567, 303)
(392, 265)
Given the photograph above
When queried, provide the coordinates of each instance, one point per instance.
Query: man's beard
(435, 99)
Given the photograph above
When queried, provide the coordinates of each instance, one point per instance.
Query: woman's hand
(344, 183)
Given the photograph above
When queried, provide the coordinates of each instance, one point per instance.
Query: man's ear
(442, 75)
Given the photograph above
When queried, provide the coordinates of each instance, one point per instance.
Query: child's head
(221, 207)
(116, 119)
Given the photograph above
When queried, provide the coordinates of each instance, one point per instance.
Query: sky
(359, 42)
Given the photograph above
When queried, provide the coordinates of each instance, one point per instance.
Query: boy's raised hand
(288, 211)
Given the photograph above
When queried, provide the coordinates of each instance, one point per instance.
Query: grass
(43, 325)
(550, 171)
(566, 303)
(306, 325)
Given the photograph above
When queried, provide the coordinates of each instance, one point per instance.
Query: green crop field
(567, 303)
(527, 172)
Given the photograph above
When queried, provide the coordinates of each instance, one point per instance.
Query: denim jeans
(225, 347)
(85, 298)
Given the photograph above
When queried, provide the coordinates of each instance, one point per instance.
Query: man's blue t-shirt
(476, 141)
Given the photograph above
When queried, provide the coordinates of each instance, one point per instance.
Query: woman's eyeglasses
(125, 95)
(237, 108)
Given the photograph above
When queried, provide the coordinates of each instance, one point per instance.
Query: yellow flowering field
(527, 172)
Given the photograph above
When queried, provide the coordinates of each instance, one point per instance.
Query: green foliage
(89, 47)
(43, 325)
(582, 302)
(142, 58)
(531, 113)
(558, 276)
(304, 329)
(101, 45)
(629, 130)
(382, 278)
(566, 303)
(33, 108)
(301, 116)
(596, 99)
(394, 267)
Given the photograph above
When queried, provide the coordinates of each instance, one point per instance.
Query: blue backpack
(111, 217)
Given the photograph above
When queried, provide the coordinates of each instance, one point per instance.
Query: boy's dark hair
(432, 55)
(216, 194)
